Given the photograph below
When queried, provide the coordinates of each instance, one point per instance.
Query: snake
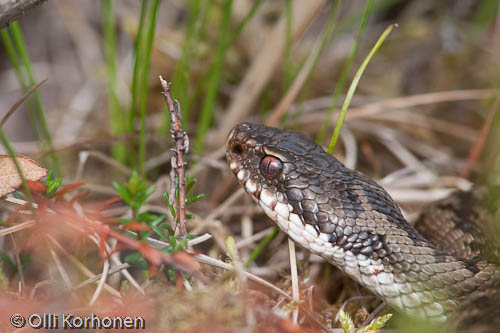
(353, 223)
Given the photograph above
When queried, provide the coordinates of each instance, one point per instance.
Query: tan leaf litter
(9, 178)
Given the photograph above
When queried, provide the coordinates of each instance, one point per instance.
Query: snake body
(351, 221)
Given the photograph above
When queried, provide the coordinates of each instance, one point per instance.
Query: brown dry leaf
(9, 178)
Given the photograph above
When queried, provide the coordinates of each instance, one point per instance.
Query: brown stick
(181, 147)
(11, 10)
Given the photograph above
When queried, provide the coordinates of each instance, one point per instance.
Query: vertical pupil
(270, 167)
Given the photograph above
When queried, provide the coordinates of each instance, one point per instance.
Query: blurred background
(423, 120)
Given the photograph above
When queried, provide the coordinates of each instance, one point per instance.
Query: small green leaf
(167, 200)
(171, 275)
(346, 322)
(124, 288)
(194, 199)
(157, 230)
(53, 183)
(181, 245)
(122, 191)
(171, 231)
(151, 219)
(172, 241)
(123, 220)
(136, 260)
(377, 323)
(18, 195)
(231, 250)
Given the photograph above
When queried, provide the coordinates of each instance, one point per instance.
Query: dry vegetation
(422, 123)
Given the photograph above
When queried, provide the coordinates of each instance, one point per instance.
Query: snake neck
(349, 220)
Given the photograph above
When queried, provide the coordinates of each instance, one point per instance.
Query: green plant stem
(262, 245)
(353, 86)
(116, 120)
(288, 64)
(214, 79)
(16, 49)
(144, 44)
(11, 52)
(196, 17)
(345, 71)
(243, 23)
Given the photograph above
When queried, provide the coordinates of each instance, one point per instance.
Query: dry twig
(181, 147)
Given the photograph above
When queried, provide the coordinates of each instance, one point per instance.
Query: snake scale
(353, 223)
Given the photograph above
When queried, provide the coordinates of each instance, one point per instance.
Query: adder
(352, 222)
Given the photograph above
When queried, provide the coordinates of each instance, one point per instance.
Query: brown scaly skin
(351, 221)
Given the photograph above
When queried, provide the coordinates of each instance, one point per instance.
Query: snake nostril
(237, 149)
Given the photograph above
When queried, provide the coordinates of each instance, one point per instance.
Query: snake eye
(270, 167)
(237, 149)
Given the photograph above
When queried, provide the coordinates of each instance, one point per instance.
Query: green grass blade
(288, 70)
(354, 85)
(262, 245)
(243, 23)
(16, 48)
(135, 77)
(117, 121)
(198, 10)
(143, 49)
(214, 79)
(12, 53)
(134, 108)
(345, 71)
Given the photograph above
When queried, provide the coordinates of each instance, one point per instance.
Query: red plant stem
(181, 147)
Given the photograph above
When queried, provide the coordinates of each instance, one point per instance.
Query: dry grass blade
(102, 281)
(204, 259)
(297, 85)
(423, 99)
(295, 280)
(83, 268)
(19, 102)
(265, 64)
(16, 228)
(481, 140)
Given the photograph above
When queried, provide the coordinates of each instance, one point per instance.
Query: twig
(11, 10)
(115, 258)
(102, 281)
(60, 268)
(181, 147)
(93, 279)
(82, 268)
(19, 266)
(295, 280)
